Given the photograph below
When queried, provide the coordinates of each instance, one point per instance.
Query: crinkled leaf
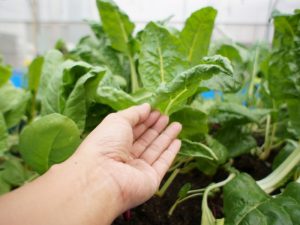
(52, 61)
(245, 203)
(116, 24)
(196, 34)
(161, 57)
(48, 140)
(170, 97)
(76, 103)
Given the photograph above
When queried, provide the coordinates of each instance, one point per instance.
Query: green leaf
(161, 57)
(233, 111)
(184, 190)
(236, 141)
(194, 122)
(4, 187)
(170, 97)
(5, 73)
(245, 203)
(34, 73)
(212, 150)
(116, 24)
(284, 63)
(115, 98)
(48, 140)
(52, 61)
(13, 102)
(3, 135)
(13, 172)
(197, 32)
(77, 102)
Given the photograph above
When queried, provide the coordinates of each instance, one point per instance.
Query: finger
(139, 129)
(161, 143)
(163, 163)
(136, 114)
(149, 135)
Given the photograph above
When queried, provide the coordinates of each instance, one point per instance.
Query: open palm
(136, 149)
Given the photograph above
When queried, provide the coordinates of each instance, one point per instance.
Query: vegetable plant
(67, 92)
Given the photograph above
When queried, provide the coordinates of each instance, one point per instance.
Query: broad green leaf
(48, 140)
(114, 97)
(170, 97)
(3, 135)
(13, 172)
(233, 111)
(284, 63)
(194, 122)
(77, 102)
(245, 203)
(116, 24)
(97, 53)
(161, 57)
(61, 85)
(13, 102)
(52, 61)
(236, 141)
(196, 34)
(211, 150)
(34, 73)
(208, 155)
(5, 73)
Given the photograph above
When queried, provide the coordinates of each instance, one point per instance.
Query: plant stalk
(133, 75)
(166, 185)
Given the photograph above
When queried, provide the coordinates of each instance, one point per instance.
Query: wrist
(96, 191)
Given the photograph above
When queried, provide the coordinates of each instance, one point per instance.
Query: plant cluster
(255, 109)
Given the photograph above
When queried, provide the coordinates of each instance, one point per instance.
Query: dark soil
(155, 211)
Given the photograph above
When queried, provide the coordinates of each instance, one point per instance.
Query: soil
(155, 211)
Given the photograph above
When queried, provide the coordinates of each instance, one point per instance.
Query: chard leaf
(194, 122)
(13, 102)
(34, 74)
(48, 140)
(235, 140)
(284, 64)
(13, 172)
(213, 150)
(170, 97)
(161, 57)
(245, 203)
(116, 24)
(52, 61)
(3, 135)
(196, 34)
(5, 73)
(77, 102)
(114, 97)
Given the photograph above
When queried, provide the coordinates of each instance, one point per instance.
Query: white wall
(242, 20)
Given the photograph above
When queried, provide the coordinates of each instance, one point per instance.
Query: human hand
(134, 148)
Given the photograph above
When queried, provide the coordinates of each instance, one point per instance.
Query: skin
(118, 166)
